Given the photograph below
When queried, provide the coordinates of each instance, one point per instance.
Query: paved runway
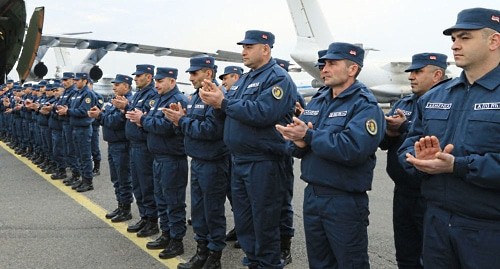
(44, 224)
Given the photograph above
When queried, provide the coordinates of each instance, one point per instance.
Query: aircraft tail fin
(309, 21)
(312, 31)
(31, 43)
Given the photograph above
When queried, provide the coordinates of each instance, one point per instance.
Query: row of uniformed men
(149, 135)
(47, 123)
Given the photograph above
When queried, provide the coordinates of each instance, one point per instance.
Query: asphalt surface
(44, 224)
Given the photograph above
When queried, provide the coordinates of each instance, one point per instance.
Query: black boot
(151, 228)
(199, 259)
(113, 213)
(286, 254)
(160, 242)
(85, 186)
(123, 215)
(138, 226)
(213, 261)
(60, 174)
(174, 249)
(75, 177)
(97, 168)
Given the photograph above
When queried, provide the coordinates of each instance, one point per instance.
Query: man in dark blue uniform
(69, 151)
(141, 160)
(337, 137)
(453, 145)
(202, 128)
(265, 96)
(96, 151)
(81, 123)
(170, 167)
(229, 77)
(426, 70)
(56, 130)
(113, 122)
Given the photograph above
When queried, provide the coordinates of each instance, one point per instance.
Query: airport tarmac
(44, 224)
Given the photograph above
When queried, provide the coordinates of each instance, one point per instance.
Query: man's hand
(429, 157)
(62, 110)
(120, 102)
(295, 131)
(394, 122)
(174, 113)
(210, 94)
(298, 109)
(94, 112)
(134, 116)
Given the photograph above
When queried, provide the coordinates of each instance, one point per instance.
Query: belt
(324, 190)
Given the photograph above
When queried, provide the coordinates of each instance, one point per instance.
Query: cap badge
(495, 18)
(352, 52)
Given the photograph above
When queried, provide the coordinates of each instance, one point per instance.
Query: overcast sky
(398, 28)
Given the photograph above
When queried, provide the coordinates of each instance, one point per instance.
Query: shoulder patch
(371, 126)
(151, 103)
(87, 100)
(277, 92)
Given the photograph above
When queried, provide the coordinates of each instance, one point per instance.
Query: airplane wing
(83, 43)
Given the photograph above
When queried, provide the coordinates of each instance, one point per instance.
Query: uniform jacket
(163, 137)
(113, 122)
(262, 98)
(141, 100)
(203, 129)
(394, 169)
(467, 116)
(65, 100)
(342, 145)
(81, 102)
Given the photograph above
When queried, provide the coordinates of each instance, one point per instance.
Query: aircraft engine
(94, 71)
(40, 70)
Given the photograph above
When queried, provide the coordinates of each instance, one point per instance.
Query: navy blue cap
(81, 76)
(27, 85)
(321, 53)
(56, 81)
(16, 83)
(282, 63)
(144, 69)
(49, 86)
(36, 88)
(10, 81)
(344, 51)
(42, 82)
(232, 69)
(257, 37)
(420, 60)
(199, 62)
(68, 75)
(122, 79)
(56, 85)
(476, 18)
(17, 88)
(166, 72)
